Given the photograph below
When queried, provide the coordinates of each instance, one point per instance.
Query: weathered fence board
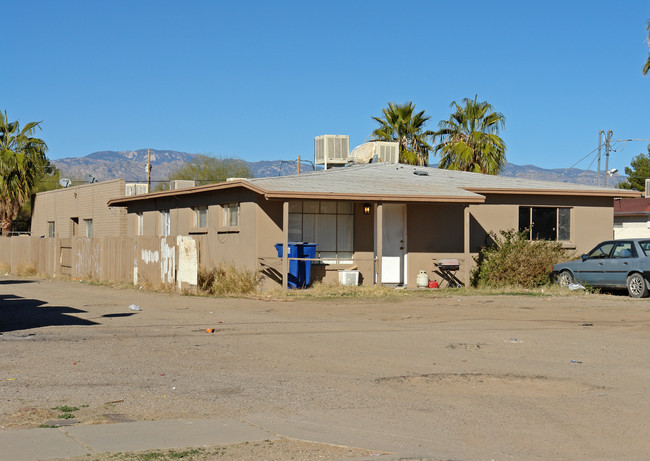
(155, 261)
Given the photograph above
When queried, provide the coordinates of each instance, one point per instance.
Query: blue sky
(259, 80)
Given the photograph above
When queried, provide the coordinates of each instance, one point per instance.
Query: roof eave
(573, 192)
(123, 201)
(631, 213)
(278, 195)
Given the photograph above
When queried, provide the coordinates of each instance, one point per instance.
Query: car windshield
(645, 246)
(601, 251)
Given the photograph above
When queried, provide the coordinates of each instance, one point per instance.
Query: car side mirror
(584, 257)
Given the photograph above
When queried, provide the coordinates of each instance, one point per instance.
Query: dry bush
(513, 260)
(26, 269)
(227, 280)
(5, 268)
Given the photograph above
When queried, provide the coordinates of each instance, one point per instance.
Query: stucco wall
(435, 230)
(592, 218)
(216, 243)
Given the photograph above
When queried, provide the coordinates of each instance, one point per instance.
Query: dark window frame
(546, 222)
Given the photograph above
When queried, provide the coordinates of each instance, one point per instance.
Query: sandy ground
(503, 377)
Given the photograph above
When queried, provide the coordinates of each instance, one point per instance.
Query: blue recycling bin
(299, 271)
(308, 251)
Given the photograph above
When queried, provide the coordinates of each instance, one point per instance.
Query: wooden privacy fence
(153, 261)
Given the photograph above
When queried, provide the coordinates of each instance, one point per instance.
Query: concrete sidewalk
(68, 441)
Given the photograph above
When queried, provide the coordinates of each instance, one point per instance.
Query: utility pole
(299, 164)
(148, 170)
(600, 136)
(608, 138)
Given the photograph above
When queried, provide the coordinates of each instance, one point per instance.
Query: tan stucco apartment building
(79, 211)
(387, 220)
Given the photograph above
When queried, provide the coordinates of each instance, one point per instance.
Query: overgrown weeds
(189, 454)
(4, 268)
(513, 260)
(26, 269)
(333, 290)
(227, 280)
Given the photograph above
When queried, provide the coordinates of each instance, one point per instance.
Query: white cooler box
(349, 278)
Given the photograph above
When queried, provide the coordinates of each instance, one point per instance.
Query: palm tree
(22, 163)
(646, 67)
(469, 140)
(400, 124)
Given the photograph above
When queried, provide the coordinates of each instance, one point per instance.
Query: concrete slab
(410, 435)
(33, 444)
(147, 435)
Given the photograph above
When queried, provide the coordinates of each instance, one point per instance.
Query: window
(624, 250)
(645, 246)
(330, 224)
(88, 228)
(200, 217)
(50, 229)
(602, 251)
(164, 223)
(231, 215)
(545, 223)
(139, 227)
(75, 226)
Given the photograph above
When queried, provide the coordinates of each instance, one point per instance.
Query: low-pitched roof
(391, 182)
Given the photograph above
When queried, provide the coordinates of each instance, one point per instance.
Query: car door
(622, 259)
(592, 269)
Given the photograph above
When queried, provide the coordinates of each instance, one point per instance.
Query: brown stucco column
(285, 245)
(379, 235)
(467, 256)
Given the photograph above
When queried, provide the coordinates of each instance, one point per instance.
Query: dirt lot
(500, 377)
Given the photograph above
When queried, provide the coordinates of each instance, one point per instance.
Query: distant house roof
(632, 207)
(391, 182)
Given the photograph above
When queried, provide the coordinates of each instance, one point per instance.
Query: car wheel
(637, 286)
(565, 278)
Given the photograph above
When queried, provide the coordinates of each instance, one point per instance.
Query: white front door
(393, 261)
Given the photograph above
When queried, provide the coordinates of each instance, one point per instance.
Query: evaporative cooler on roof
(331, 150)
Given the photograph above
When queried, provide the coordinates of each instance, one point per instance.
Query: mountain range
(131, 166)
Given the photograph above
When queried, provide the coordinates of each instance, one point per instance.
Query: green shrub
(513, 260)
(227, 280)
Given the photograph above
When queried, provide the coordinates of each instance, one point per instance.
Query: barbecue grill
(447, 269)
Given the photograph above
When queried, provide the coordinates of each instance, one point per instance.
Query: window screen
(328, 223)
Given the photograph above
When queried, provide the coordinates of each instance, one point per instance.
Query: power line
(567, 169)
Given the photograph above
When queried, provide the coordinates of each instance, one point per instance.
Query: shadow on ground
(17, 313)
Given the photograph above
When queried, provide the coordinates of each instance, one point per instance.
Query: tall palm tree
(400, 124)
(22, 163)
(646, 67)
(469, 140)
